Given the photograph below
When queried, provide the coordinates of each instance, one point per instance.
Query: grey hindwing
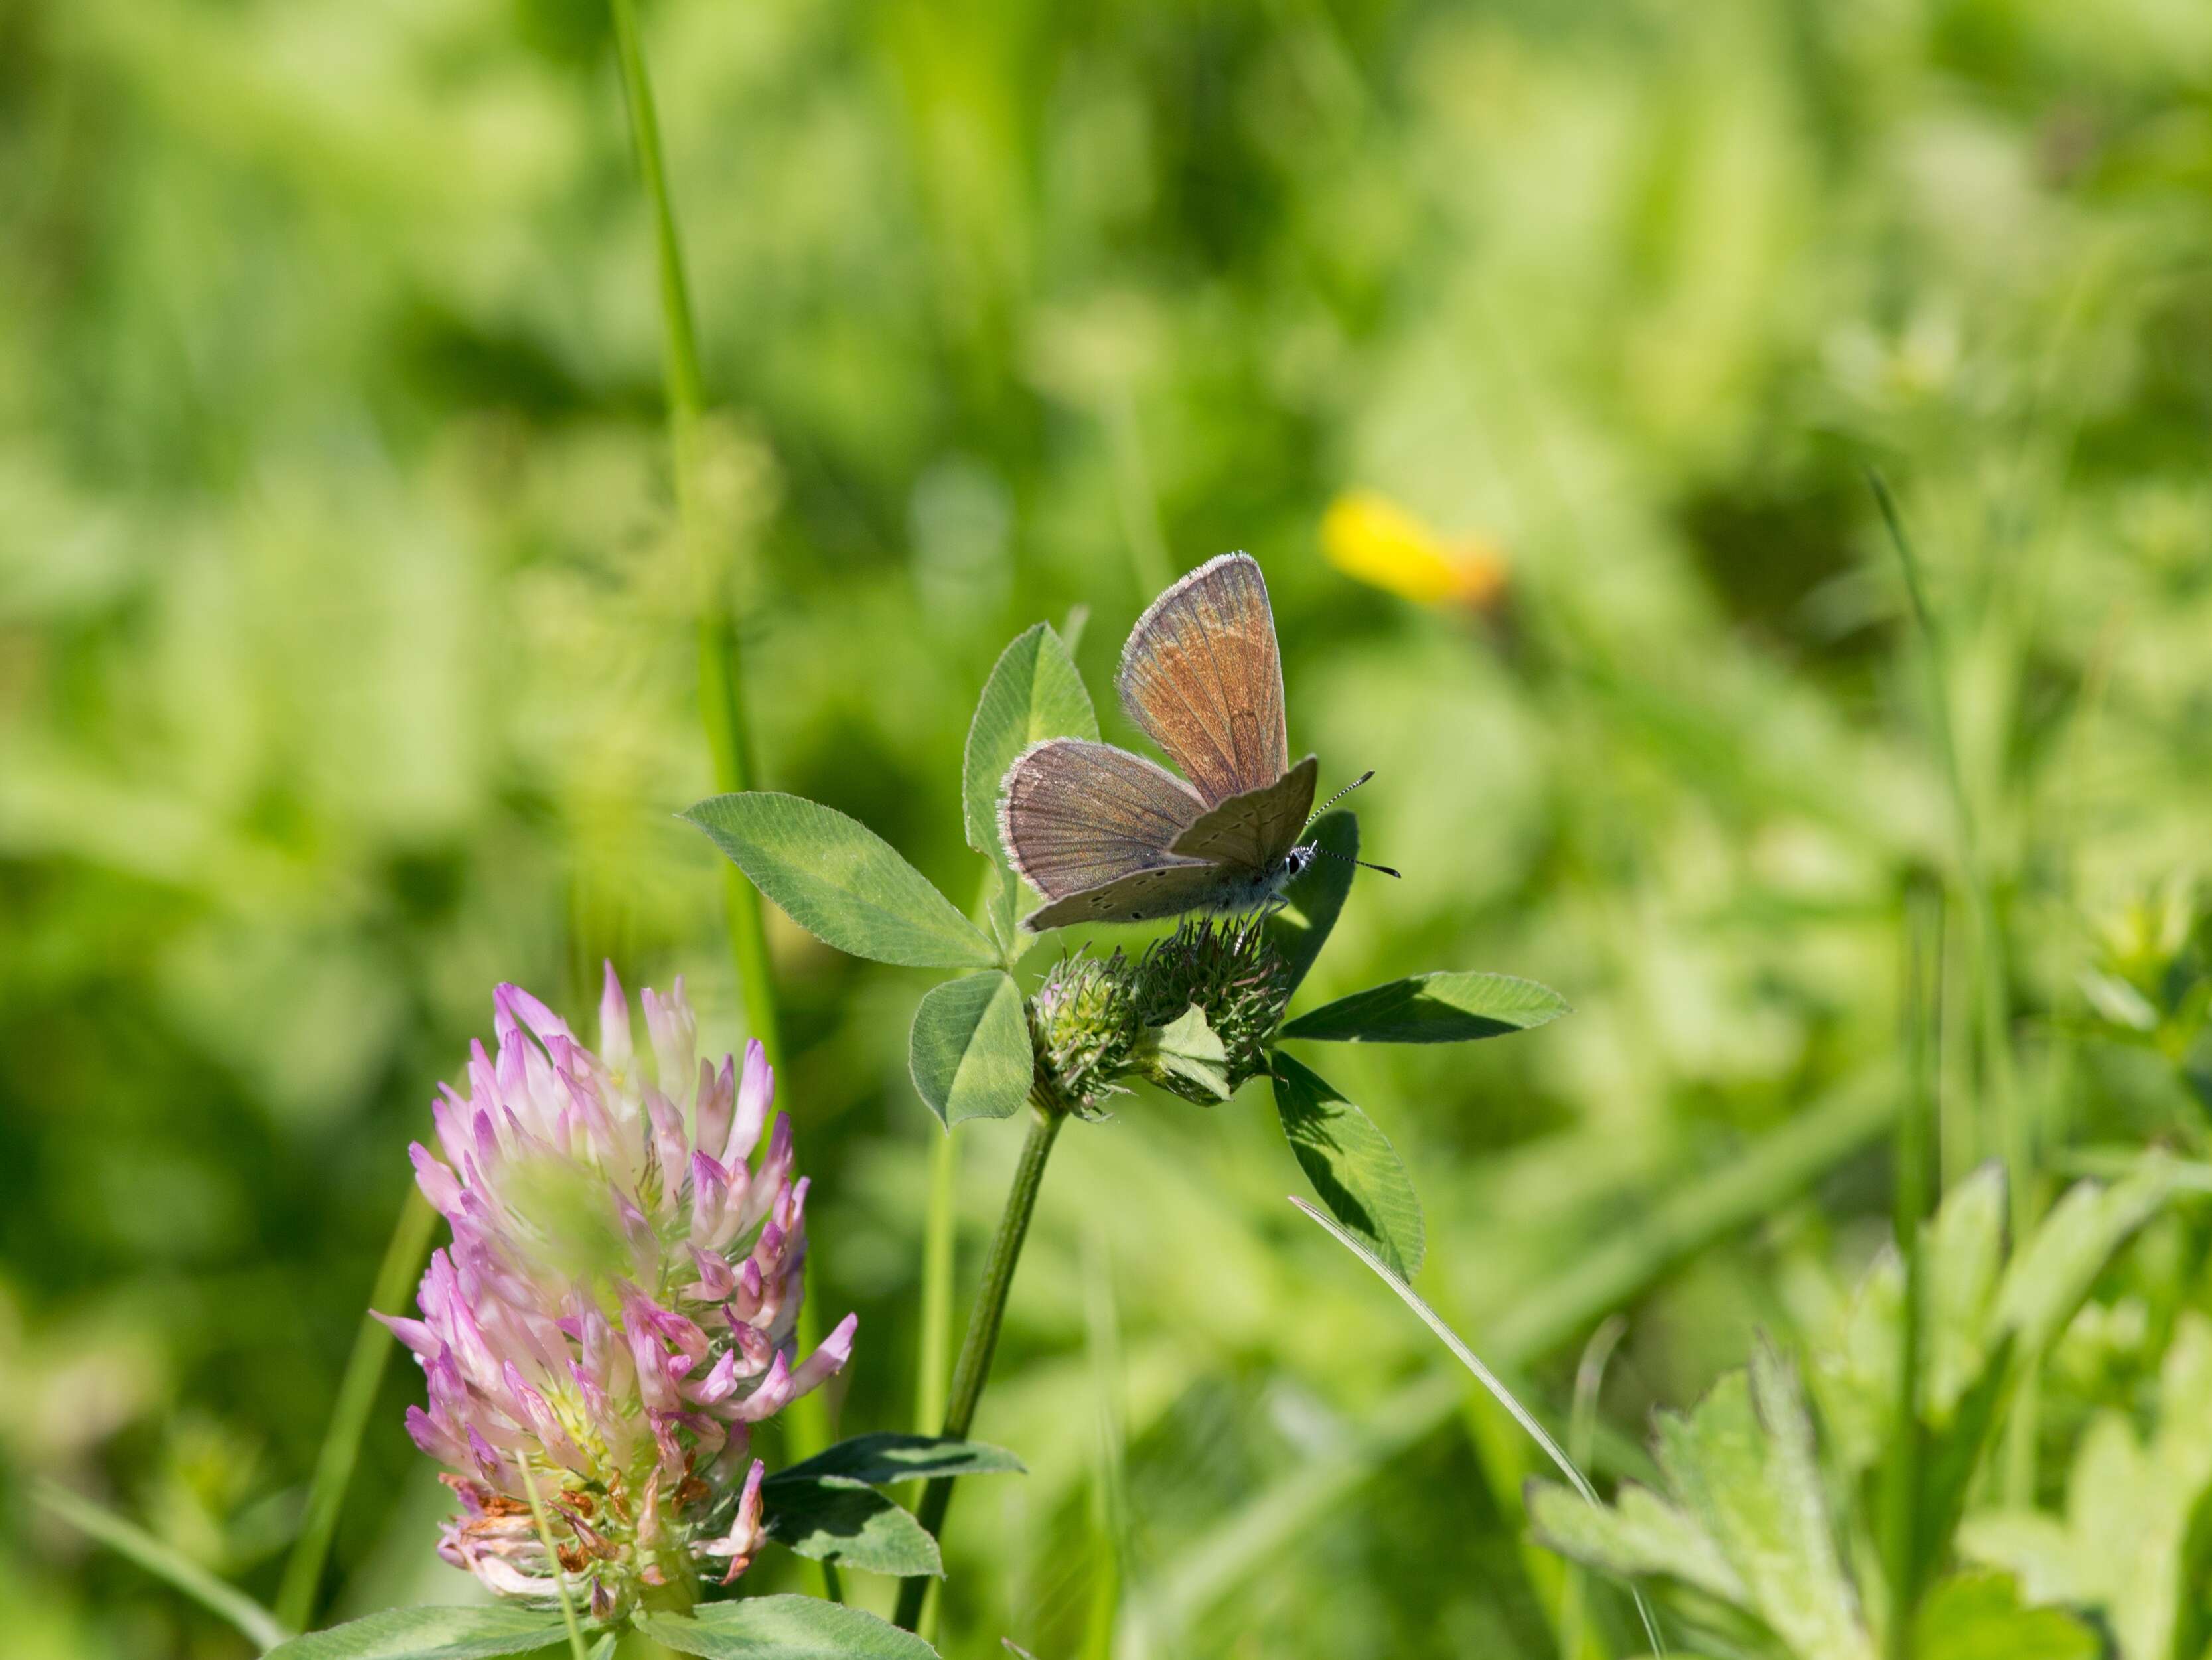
(1075, 814)
(1166, 891)
(1256, 829)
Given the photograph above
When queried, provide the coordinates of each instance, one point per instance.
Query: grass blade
(1582, 1433)
(553, 1556)
(341, 1449)
(1690, 1215)
(1110, 1501)
(130, 1540)
(1483, 1375)
(1903, 1548)
(1992, 976)
(939, 1235)
(973, 1369)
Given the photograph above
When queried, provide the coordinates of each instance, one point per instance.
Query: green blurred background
(346, 668)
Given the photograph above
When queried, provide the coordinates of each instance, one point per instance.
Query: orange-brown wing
(1203, 679)
(1075, 814)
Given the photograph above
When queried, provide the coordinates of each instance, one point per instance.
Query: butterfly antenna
(1331, 851)
(1363, 864)
(1338, 796)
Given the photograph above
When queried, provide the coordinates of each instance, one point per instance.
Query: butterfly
(1109, 836)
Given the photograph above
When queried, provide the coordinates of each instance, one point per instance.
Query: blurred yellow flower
(1369, 536)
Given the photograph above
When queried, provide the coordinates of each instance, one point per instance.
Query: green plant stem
(1956, 1091)
(974, 1366)
(722, 678)
(1109, 1509)
(686, 386)
(358, 1388)
(933, 1358)
(1902, 1546)
(1992, 1004)
(1582, 1437)
(722, 708)
(1992, 977)
(133, 1543)
(939, 1237)
(553, 1557)
(1991, 981)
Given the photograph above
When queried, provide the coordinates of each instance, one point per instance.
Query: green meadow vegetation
(1736, 472)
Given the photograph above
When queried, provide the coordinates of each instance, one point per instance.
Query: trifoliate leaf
(850, 1524)
(998, 908)
(476, 1633)
(841, 881)
(1300, 926)
(1354, 1169)
(968, 1051)
(881, 1459)
(1034, 692)
(1432, 1008)
(783, 1629)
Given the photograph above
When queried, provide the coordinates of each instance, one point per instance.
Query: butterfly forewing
(1256, 829)
(1165, 890)
(1075, 814)
(1203, 679)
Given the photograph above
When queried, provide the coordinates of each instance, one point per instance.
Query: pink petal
(488, 1463)
(710, 1197)
(768, 1399)
(615, 1047)
(835, 1350)
(716, 1278)
(669, 1142)
(719, 1384)
(746, 1302)
(510, 1003)
(744, 1537)
(439, 1185)
(712, 1103)
(483, 1075)
(754, 1346)
(434, 1437)
(754, 1095)
(669, 1022)
(413, 1333)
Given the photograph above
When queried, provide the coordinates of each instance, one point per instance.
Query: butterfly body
(1109, 836)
